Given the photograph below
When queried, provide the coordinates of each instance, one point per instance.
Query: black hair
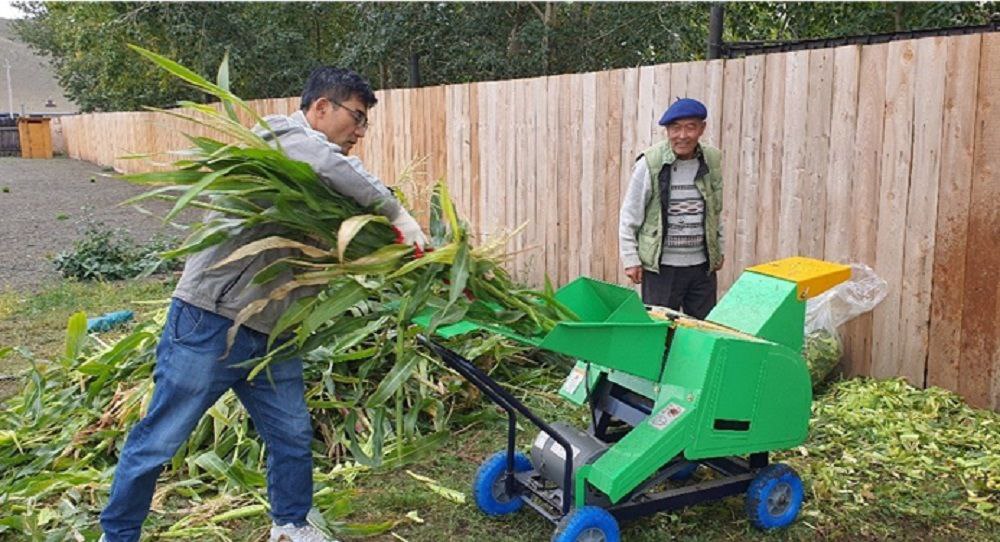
(336, 84)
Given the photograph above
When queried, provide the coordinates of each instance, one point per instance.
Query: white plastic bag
(826, 312)
(853, 297)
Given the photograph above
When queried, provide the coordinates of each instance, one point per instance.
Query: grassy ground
(36, 321)
(880, 505)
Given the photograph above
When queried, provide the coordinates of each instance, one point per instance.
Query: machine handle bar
(509, 403)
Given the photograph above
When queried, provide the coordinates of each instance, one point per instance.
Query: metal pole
(414, 70)
(715, 30)
(10, 93)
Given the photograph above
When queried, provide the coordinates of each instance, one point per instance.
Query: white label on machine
(666, 416)
(574, 380)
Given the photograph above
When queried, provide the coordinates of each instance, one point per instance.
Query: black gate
(10, 141)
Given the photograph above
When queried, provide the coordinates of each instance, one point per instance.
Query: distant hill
(32, 80)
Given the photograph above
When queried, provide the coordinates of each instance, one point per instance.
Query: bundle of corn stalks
(345, 250)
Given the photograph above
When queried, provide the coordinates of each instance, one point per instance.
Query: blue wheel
(774, 497)
(686, 472)
(588, 524)
(490, 487)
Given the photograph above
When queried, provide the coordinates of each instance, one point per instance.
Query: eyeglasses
(360, 118)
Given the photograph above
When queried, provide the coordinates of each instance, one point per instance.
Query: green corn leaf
(436, 225)
(350, 228)
(76, 335)
(295, 313)
(270, 243)
(195, 190)
(242, 512)
(369, 529)
(211, 234)
(338, 302)
(458, 275)
(400, 372)
(222, 80)
(193, 78)
(448, 207)
(442, 255)
(160, 177)
(433, 485)
(417, 449)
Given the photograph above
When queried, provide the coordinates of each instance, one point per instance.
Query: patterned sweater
(684, 242)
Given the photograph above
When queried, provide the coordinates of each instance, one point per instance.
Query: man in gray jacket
(190, 375)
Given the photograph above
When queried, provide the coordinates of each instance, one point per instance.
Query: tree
(273, 46)
(775, 21)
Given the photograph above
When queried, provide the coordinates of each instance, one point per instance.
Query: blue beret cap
(684, 108)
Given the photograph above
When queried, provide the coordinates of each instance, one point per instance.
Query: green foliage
(64, 427)
(273, 46)
(460, 42)
(111, 254)
(754, 21)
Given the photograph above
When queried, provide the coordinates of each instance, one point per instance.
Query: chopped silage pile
(913, 452)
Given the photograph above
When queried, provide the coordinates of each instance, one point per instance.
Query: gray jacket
(227, 290)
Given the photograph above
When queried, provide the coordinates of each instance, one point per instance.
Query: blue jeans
(190, 377)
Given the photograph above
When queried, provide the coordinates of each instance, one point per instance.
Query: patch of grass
(37, 321)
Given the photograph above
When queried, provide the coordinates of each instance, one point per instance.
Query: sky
(8, 11)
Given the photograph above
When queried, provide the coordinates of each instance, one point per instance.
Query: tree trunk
(546, 21)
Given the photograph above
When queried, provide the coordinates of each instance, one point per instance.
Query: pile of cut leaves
(907, 452)
(62, 433)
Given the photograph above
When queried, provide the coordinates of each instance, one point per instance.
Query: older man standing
(670, 230)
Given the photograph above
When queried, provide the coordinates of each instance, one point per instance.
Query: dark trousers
(691, 289)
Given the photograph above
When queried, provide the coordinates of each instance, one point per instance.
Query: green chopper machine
(667, 393)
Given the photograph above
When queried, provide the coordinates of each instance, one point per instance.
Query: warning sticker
(574, 380)
(666, 416)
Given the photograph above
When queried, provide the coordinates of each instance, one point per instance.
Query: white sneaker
(291, 533)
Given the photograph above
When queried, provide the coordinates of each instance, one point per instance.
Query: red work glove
(418, 249)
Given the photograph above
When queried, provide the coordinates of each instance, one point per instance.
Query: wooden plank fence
(881, 154)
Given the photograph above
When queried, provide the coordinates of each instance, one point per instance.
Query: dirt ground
(44, 208)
